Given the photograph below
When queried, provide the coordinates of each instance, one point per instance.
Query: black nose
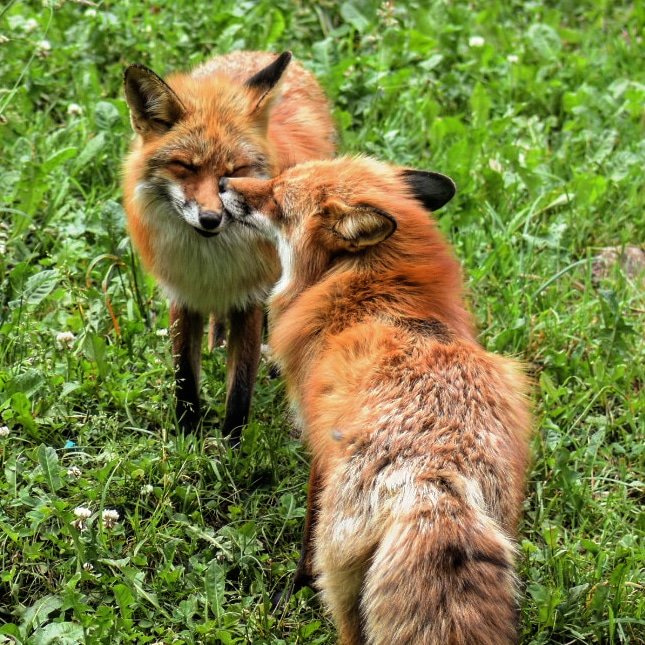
(223, 184)
(209, 219)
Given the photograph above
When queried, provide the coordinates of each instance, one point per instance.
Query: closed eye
(183, 165)
(241, 171)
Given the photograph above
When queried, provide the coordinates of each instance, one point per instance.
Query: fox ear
(432, 189)
(154, 107)
(360, 226)
(264, 81)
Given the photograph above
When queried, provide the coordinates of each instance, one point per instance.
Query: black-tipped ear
(266, 79)
(432, 189)
(154, 107)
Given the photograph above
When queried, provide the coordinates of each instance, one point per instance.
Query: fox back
(419, 436)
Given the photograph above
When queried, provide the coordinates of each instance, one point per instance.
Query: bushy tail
(441, 576)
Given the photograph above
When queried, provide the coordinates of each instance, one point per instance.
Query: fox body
(419, 438)
(242, 114)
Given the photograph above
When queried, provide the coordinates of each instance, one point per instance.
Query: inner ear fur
(266, 80)
(432, 189)
(361, 226)
(154, 106)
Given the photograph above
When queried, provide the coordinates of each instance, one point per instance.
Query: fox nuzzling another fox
(419, 438)
(243, 114)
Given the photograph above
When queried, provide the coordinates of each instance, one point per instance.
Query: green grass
(541, 126)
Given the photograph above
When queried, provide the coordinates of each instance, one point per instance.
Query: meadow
(534, 108)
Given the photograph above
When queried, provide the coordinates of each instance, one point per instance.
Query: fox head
(321, 214)
(193, 131)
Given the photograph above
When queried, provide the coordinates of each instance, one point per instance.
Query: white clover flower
(74, 109)
(147, 489)
(43, 48)
(74, 471)
(386, 13)
(110, 518)
(476, 41)
(495, 165)
(513, 58)
(65, 339)
(90, 13)
(82, 513)
(162, 332)
(30, 25)
(4, 431)
(88, 566)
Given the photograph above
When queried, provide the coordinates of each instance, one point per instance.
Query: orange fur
(418, 436)
(228, 117)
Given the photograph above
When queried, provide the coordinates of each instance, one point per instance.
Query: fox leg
(304, 576)
(341, 590)
(186, 329)
(216, 333)
(243, 357)
(344, 541)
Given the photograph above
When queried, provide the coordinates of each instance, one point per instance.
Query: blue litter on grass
(69, 444)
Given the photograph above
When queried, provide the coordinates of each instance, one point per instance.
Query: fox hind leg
(341, 591)
(343, 546)
(216, 333)
(304, 574)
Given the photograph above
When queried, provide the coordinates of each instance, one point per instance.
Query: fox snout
(254, 192)
(233, 202)
(209, 219)
(209, 222)
(250, 201)
(244, 197)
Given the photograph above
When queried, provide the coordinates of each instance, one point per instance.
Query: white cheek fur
(235, 205)
(189, 211)
(260, 222)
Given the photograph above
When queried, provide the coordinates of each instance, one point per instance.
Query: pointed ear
(154, 107)
(432, 189)
(264, 81)
(358, 227)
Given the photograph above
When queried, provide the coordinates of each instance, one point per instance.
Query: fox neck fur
(414, 277)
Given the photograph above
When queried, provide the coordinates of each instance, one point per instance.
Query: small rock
(631, 259)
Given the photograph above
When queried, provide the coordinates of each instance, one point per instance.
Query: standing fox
(419, 437)
(244, 114)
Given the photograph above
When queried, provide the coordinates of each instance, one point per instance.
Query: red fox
(243, 114)
(419, 438)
